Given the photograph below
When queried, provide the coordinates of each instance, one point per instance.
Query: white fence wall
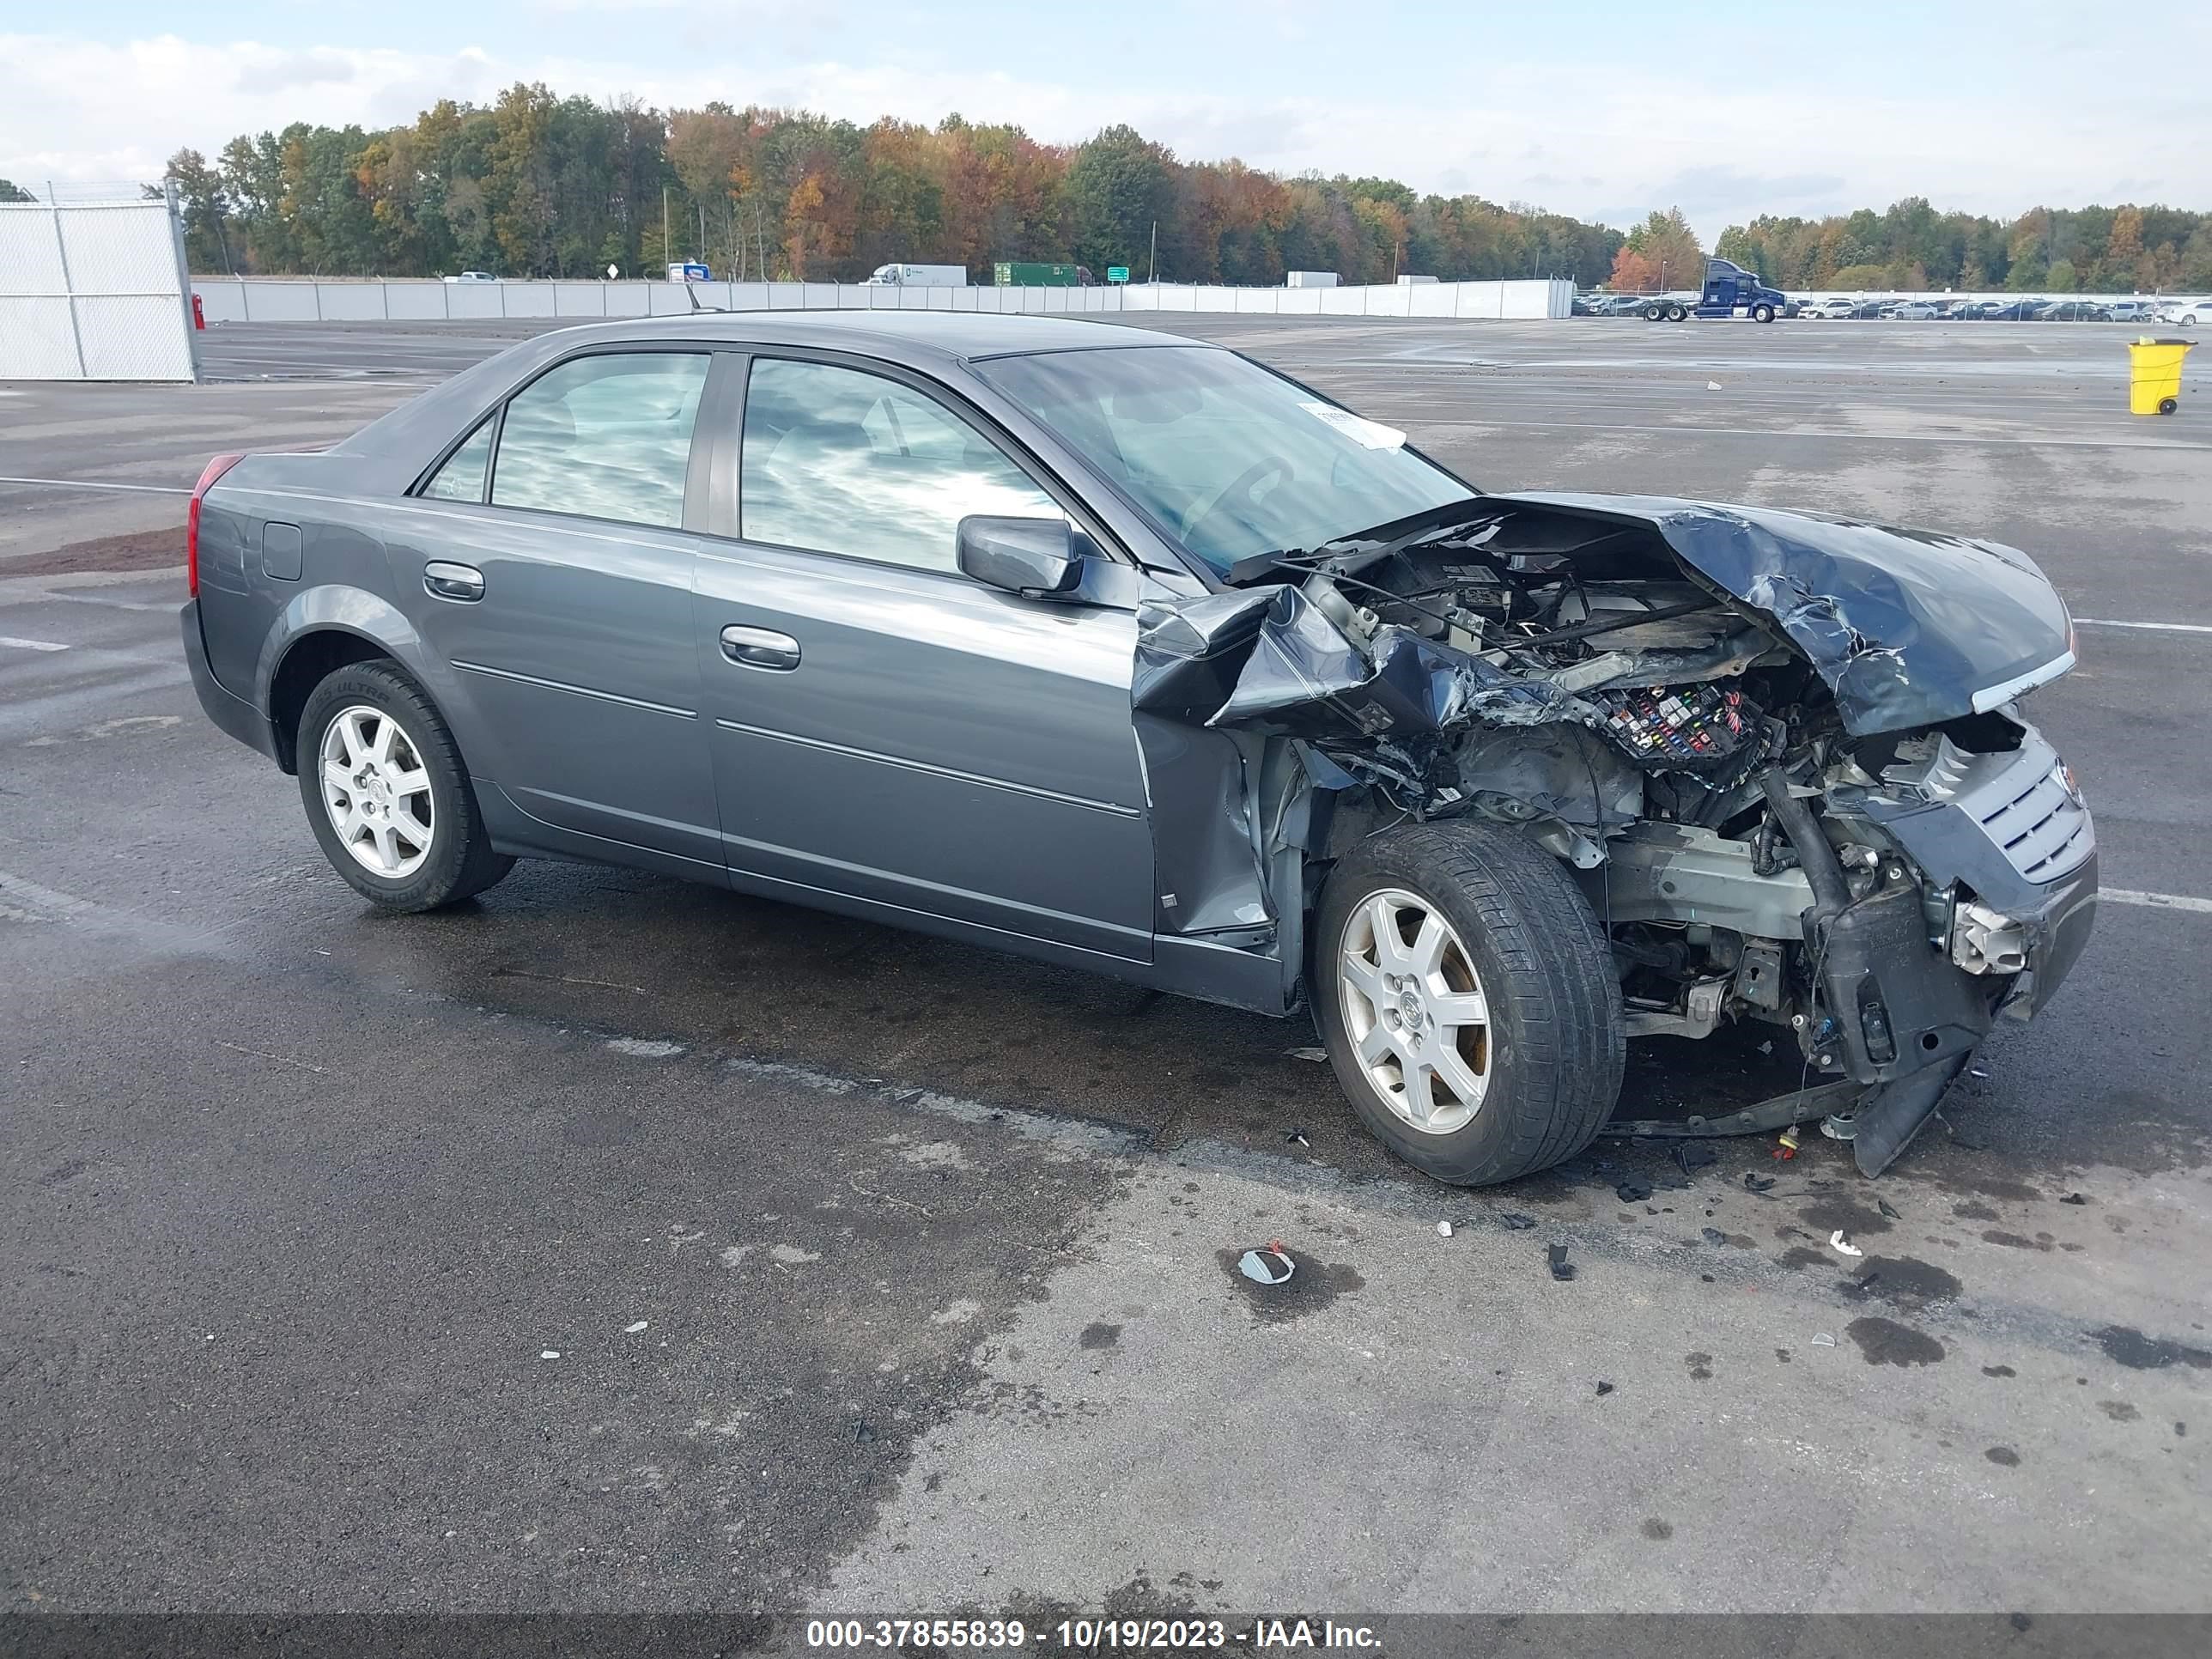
(288, 299)
(93, 292)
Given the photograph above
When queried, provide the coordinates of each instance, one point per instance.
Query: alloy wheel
(377, 792)
(1414, 1011)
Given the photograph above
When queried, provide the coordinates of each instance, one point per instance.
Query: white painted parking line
(31, 645)
(2163, 628)
(84, 483)
(2155, 901)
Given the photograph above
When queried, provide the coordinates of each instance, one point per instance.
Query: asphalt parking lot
(610, 1244)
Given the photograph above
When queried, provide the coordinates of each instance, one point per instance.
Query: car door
(552, 574)
(886, 731)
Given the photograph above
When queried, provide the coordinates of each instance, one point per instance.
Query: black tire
(1555, 1043)
(1678, 313)
(2168, 405)
(1653, 314)
(459, 862)
(1762, 314)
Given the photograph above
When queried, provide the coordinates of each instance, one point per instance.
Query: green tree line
(539, 186)
(2103, 250)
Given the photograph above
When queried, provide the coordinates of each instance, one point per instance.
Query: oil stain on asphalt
(1311, 1287)
(1885, 1342)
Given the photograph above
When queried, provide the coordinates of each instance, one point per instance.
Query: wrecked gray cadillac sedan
(1120, 651)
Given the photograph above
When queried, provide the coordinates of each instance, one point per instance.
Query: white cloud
(76, 109)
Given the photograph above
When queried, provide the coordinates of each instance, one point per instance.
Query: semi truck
(1034, 273)
(1730, 291)
(903, 276)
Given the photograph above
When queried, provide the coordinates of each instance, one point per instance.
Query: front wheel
(1468, 999)
(387, 794)
(1762, 314)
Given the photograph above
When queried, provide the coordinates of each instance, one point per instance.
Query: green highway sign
(1117, 273)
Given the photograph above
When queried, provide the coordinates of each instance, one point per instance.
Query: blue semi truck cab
(1730, 291)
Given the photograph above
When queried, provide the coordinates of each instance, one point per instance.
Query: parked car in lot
(1912, 311)
(2017, 311)
(473, 277)
(2131, 311)
(1975, 311)
(2186, 312)
(2074, 311)
(1115, 650)
(1837, 307)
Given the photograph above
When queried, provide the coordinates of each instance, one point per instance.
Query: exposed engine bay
(1788, 797)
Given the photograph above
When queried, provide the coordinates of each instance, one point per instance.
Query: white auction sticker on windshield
(1368, 435)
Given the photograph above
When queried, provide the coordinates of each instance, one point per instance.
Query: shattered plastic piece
(1444, 1230)
(1712, 385)
(2073, 1198)
(1271, 1266)
(550, 1353)
(1296, 1136)
(1713, 1236)
(1843, 1246)
(1823, 1339)
(1562, 1269)
(1785, 1143)
(1882, 1204)
(1758, 1183)
(1514, 1222)
(1690, 1158)
(1320, 1055)
(1603, 1390)
(1632, 1190)
(632, 1330)
(1978, 1071)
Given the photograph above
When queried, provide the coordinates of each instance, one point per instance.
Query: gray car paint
(946, 755)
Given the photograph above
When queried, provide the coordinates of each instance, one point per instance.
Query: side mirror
(1037, 558)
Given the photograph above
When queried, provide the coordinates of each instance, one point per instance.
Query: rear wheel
(2168, 405)
(1653, 313)
(1468, 999)
(387, 794)
(1677, 314)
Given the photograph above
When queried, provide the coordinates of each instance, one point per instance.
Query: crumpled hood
(1908, 627)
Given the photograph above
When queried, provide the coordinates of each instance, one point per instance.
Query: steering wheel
(1241, 488)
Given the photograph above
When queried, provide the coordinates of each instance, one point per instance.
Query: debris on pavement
(1603, 1390)
(1514, 1222)
(1691, 1158)
(1632, 1190)
(1269, 1266)
(1882, 1204)
(1843, 1246)
(2073, 1198)
(1306, 1054)
(1444, 1230)
(1758, 1183)
(1862, 1284)
(550, 1353)
(1296, 1136)
(1714, 1236)
(1785, 1143)
(632, 1330)
(1823, 1339)
(1562, 1269)
(1712, 385)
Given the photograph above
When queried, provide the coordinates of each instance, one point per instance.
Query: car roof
(913, 336)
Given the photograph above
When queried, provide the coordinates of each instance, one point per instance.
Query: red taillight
(214, 470)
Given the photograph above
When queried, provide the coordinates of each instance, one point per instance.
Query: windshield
(1231, 459)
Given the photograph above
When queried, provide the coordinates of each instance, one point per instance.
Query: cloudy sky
(1584, 109)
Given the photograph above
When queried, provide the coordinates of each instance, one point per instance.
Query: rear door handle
(759, 647)
(442, 580)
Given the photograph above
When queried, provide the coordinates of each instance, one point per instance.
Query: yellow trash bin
(2154, 375)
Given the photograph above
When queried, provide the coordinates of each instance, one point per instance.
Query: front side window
(1232, 460)
(603, 437)
(462, 477)
(838, 461)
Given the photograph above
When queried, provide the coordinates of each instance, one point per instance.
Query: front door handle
(759, 647)
(442, 580)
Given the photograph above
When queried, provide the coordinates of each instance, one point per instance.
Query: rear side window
(837, 460)
(603, 437)
(462, 477)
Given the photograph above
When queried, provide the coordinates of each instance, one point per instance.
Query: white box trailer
(1310, 279)
(901, 275)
